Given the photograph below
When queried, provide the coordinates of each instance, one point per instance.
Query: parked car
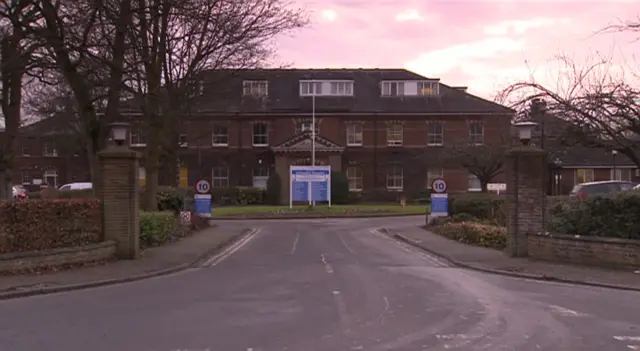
(602, 188)
(19, 192)
(76, 186)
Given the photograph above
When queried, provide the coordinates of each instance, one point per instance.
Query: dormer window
(392, 88)
(326, 88)
(427, 88)
(255, 88)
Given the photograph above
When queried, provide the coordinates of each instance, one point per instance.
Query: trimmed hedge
(474, 233)
(616, 216)
(27, 225)
(483, 206)
(383, 195)
(157, 228)
(339, 188)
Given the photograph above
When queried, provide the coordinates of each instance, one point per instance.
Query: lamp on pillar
(525, 131)
(119, 132)
(614, 153)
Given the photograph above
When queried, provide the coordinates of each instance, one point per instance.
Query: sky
(482, 44)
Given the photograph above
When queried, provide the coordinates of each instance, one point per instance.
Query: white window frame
(265, 135)
(617, 175)
(473, 136)
(305, 126)
(355, 135)
(220, 139)
(355, 175)
(255, 88)
(589, 175)
(432, 137)
(395, 134)
(138, 137)
(49, 149)
(341, 88)
(428, 88)
(310, 88)
(433, 174)
(386, 88)
(26, 177)
(50, 174)
(260, 177)
(471, 183)
(393, 176)
(221, 179)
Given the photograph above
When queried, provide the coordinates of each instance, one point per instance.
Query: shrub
(462, 217)
(614, 216)
(173, 199)
(485, 207)
(250, 196)
(76, 194)
(274, 183)
(381, 195)
(478, 234)
(35, 225)
(339, 188)
(158, 227)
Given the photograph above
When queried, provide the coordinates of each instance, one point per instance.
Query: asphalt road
(334, 285)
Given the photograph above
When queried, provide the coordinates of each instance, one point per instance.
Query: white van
(76, 186)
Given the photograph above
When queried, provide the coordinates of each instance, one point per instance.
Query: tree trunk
(484, 186)
(150, 202)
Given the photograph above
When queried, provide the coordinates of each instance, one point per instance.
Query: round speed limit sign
(202, 186)
(439, 186)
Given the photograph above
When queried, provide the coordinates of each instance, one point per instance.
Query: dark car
(601, 188)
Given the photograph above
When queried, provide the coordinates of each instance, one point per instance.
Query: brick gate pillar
(526, 171)
(120, 197)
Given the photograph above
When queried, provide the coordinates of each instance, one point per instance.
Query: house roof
(303, 142)
(222, 93)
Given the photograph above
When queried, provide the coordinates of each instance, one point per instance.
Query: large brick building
(385, 128)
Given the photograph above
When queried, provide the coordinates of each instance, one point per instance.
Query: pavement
(325, 285)
(494, 261)
(154, 261)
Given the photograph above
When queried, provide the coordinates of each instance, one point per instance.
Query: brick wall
(25, 261)
(595, 251)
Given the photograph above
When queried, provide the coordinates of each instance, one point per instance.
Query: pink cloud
(482, 44)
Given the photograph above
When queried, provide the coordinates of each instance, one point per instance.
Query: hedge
(483, 206)
(474, 233)
(383, 195)
(27, 225)
(616, 216)
(158, 227)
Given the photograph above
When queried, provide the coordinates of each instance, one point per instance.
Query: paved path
(313, 285)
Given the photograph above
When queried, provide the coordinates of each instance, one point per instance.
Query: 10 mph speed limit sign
(202, 186)
(439, 186)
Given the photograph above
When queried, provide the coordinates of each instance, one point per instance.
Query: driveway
(312, 285)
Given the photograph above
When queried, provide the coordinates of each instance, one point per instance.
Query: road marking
(384, 311)
(627, 338)
(295, 243)
(566, 312)
(345, 244)
(633, 347)
(215, 260)
(327, 266)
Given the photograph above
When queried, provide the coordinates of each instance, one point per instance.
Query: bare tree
(485, 162)
(174, 42)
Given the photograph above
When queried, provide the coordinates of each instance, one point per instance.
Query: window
(195, 88)
(142, 176)
(394, 134)
(476, 133)
(435, 134)
(622, 174)
(428, 88)
(354, 174)
(25, 147)
(220, 177)
(341, 88)
(394, 178)
(433, 174)
(583, 176)
(474, 183)
(49, 149)
(392, 88)
(354, 134)
(260, 134)
(305, 126)
(260, 177)
(220, 136)
(27, 178)
(182, 140)
(309, 88)
(51, 178)
(255, 88)
(137, 139)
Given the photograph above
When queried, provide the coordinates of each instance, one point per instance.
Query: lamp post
(558, 175)
(525, 131)
(613, 154)
(119, 132)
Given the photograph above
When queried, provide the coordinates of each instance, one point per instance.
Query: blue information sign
(310, 183)
(202, 204)
(439, 205)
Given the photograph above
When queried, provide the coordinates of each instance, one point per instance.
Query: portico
(297, 151)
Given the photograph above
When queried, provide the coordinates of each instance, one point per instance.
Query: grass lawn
(274, 211)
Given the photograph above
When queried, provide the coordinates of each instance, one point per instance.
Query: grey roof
(223, 93)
